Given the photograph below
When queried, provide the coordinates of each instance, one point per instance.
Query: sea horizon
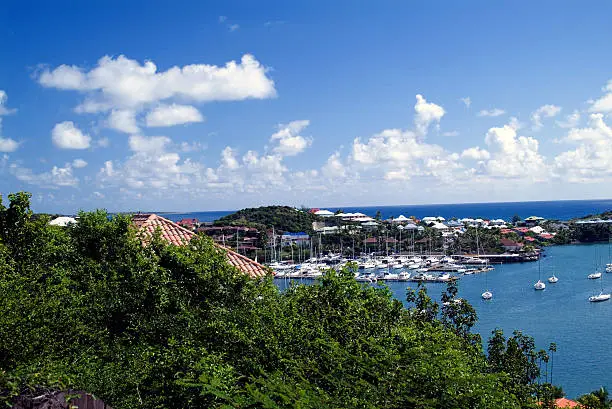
(549, 209)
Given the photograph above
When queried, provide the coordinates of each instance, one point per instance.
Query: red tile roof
(177, 235)
(528, 238)
(564, 403)
(510, 243)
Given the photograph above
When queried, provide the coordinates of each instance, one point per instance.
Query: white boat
(444, 278)
(404, 276)
(609, 268)
(363, 279)
(599, 298)
(369, 265)
(540, 284)
(594, 276)
(553, 279)
(487, 295)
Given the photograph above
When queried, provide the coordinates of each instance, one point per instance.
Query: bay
(561, 313)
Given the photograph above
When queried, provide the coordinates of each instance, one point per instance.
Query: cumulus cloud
(289, 140)
(228, 159)
(55, 178)
(603, 104)
(545, 111)
(148, 144)
(170, 115)
(426, 114)
(78, 163)
(123, 120)
(491, 112)
(514, 156)
(123, 83)
(66, 135)
(592, 158)
(4, 110)
(8, 145)
(475, 153)
(334, 168)
(571, 121)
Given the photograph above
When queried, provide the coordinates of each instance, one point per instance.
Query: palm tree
(552, 348)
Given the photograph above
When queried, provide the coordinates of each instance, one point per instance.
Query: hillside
(283, 218)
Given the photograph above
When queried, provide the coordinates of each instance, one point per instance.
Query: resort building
(149, 224)
(511, 245)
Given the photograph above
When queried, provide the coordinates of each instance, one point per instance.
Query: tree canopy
(283, 218)
(88, 307)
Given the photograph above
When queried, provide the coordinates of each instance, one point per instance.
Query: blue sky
(222, 105)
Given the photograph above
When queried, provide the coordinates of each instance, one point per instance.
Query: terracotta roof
(177, 235)
(564, 403)
(510, 243)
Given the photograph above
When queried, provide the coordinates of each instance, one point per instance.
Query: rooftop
(177, 235)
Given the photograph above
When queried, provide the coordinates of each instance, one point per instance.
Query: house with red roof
(529, 239)
(149, 224)
(546, 236)
(510, 245)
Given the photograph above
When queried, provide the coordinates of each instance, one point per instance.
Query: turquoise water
(561, 313)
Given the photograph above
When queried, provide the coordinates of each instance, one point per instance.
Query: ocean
(557, 210)
(561, 313)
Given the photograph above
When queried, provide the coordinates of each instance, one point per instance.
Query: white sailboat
(539, 286)
(594, 276)
(487, 295)
(601, 297)
(553, 279)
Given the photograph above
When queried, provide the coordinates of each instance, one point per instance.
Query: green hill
(283, 218)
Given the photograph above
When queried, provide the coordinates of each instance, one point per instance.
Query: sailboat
(601, 297)
(487, 295)
(609, 265)
(540, 284)
(553, 279)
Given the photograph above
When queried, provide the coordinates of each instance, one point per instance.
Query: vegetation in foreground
(89, 308)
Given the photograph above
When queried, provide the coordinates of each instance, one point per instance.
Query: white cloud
(170, 115)
(491, 112)
(475, 153)
(334, 168)
(397, 175)
(103, 142)
(467, 101)
(290, 143)
(571, 121)
(545, 111)
(592, 158)
(66, 135)
(450, 133)
(148, 144)
(56, 177)
(603, 104)
(8, 145)
(123, 121)
(426, 113)
(78, 163)
(233, 27)
(3, 109)
(514, 156)
(122, 83)
(228, 159)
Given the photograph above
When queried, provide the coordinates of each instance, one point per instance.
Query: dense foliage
(282, 218)
(89, 308)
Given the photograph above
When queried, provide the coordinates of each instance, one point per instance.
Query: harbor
(561, 313)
